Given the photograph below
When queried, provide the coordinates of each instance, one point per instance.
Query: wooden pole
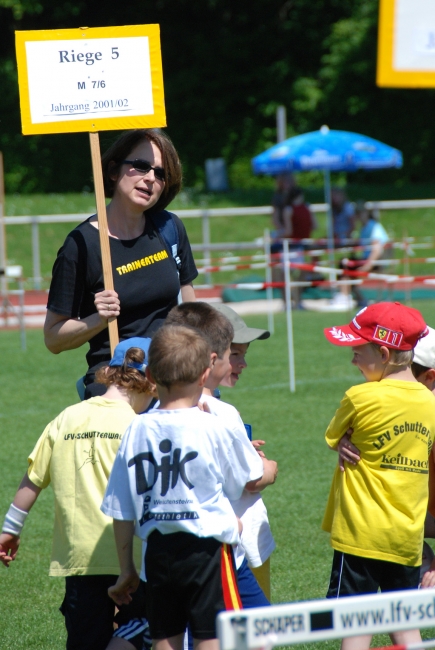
(104, 231)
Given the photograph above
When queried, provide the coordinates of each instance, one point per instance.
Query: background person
(343, 215)
(298, 220)
(298, 223)
(284, 183)
(142, 174)
(374, 239)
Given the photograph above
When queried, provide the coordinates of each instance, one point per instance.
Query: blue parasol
(327, 150)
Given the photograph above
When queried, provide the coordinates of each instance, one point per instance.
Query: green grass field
(36, 386)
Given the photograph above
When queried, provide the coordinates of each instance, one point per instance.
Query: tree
(343, 95)
(227, 66)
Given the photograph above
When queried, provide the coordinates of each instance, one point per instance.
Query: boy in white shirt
(175, 471)
(257, 542)
(257, 539)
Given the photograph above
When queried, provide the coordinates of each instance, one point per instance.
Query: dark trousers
(88, 612)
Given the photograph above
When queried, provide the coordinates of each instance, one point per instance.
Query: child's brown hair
(124, 376)
(216, 327)
(178, 355)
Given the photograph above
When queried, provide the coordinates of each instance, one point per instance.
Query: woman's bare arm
(63, 333)
(188, 293)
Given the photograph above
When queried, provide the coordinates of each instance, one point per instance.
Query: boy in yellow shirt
(376, 509)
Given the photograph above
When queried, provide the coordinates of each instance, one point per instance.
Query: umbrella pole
(329, 224)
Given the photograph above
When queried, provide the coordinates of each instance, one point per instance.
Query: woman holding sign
(142, 175)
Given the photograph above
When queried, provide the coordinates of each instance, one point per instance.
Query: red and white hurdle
(285, 260)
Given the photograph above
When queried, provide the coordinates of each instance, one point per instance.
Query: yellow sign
(406, 44)
(96, 79)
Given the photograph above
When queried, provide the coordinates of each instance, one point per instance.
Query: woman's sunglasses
(143, 166)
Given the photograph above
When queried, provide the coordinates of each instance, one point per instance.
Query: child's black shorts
(88, 611)
(89, 614)
(352, 575)
(189, 580)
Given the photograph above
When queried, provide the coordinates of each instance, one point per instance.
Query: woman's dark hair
(294, 193)
(124, 376)
(120, 150)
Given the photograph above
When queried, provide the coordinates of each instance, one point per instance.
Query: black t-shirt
(145, 279)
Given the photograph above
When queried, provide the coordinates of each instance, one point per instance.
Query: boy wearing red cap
(376, 509)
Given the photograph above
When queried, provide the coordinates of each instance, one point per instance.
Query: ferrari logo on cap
(385, 335)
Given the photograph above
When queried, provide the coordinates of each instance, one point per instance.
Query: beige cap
(242, 333)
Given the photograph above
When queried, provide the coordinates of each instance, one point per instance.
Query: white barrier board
(406, 44)
(414, 34)
(72, 79)
(319, 620)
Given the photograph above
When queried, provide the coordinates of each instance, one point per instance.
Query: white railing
(204, 214)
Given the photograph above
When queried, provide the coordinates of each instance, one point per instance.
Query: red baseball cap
(385, 323)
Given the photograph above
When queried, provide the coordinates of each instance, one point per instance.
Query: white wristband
(14, 521)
